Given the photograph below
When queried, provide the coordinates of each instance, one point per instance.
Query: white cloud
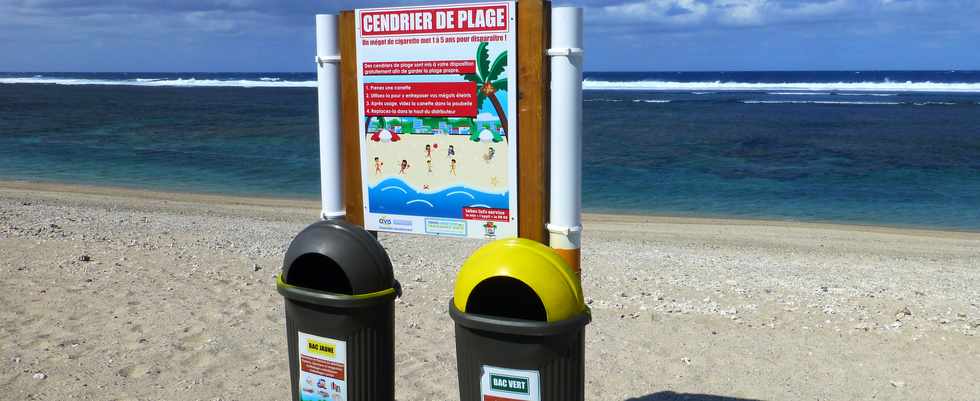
(731, 13)
(671, 12)
(904, 5)
(741, 12)
(816, 9)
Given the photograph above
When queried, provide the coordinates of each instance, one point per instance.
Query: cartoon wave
(461, 193)
(392, 187)
(407, 201)
(423, 201)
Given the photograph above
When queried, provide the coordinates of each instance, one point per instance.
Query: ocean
(897, 148)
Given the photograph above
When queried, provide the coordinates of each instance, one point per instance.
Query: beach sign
(437, 112)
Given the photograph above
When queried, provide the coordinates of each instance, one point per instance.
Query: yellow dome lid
(530, 262)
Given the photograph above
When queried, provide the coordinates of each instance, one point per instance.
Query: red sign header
(485, 214)
(435, 67)
(416, 21)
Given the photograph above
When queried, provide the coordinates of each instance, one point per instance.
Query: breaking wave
(867, 94)
(885, 88)
(800, 93)
(603, 100)
(833, 102)
(878, 87)
(263, 82)
(817, 102)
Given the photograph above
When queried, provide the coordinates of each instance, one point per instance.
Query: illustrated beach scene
(437, 173)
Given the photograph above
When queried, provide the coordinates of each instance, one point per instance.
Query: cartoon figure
(451, 152)
(428, 151)
(452, 167)
(377, 166)
(384, 135)
(404, 166)
(489, 156)
(428, 163)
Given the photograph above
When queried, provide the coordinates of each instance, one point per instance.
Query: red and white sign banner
(485, 214)
(442, 20)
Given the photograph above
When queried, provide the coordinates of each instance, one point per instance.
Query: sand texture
(124, 295)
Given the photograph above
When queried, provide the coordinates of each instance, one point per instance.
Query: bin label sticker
(322, 368)
(501, 384)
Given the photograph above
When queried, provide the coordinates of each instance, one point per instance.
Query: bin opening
(318, 272)
(506, 297)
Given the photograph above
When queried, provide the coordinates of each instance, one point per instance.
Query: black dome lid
(352, 249)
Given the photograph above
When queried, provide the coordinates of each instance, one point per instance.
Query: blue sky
(628, 35)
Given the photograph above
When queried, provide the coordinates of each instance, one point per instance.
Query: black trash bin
(520, 325)
(339, 291)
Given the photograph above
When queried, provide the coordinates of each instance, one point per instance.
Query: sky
(620, 35)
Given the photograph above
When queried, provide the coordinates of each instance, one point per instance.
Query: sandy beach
(115, 294)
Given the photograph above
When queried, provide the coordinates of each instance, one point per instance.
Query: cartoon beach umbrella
(385, 136)
(486, 136)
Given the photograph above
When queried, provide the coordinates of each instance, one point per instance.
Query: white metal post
(565, 221)
(328, 107)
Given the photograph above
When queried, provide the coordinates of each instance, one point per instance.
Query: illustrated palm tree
(488, 81)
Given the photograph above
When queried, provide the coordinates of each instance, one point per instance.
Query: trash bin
(339, 291)
(520, 325)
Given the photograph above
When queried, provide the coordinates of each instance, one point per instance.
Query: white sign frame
(392, 217)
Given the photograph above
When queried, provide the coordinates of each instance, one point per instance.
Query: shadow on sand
(672, 396)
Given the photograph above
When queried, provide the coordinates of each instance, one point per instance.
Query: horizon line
(588, 71)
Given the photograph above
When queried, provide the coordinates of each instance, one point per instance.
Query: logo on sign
(510, 384)
(394, 224)
(490, 229)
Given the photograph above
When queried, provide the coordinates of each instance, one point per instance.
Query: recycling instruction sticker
(323, 368)
(501, 384)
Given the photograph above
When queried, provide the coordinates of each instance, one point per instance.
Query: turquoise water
(886, 149)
